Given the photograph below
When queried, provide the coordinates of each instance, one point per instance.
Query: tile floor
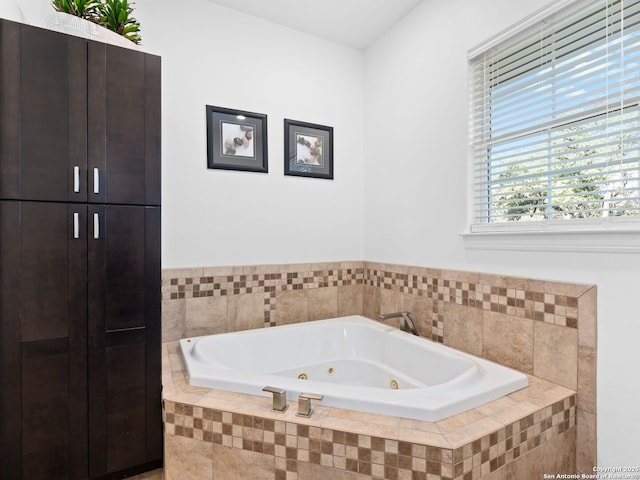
(153, 475)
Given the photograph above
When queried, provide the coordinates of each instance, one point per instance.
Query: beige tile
(559, 453)
(556, 354)
(420, 307)
(323, 303)
(350, 300)
(508, 340)
(205, 316)
(528, 466)
(518, 283)
(559, 288)
(499, 474)
(246, 311)
(371, 302)
(463, 328)
(173, 320)
(418, 425)
(354, 264)
(586, 448)
(222, 271)
(460, 276)
(422, 437)
(292, 306)
(587, 365)
(587, 319)
(153, 475)
(293, 267)
(423, 271)
(187, 459)
(168, 273)
(506, 410)
(390, 302)
(469, 432)
(237, 464)
(309, 471)
(540, 393)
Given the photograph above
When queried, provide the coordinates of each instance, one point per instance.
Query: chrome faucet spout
(406, 325)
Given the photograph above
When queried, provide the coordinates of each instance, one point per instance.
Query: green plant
(112, 14)
(86, 9)
(116, 16)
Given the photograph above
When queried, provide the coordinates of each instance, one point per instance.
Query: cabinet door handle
(96, 180)
(76, 225)
(76, 178)
(96, 226)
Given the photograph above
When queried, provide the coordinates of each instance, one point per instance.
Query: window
(555, 119)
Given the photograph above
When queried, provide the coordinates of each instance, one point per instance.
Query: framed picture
(308, 149)
(236, 140)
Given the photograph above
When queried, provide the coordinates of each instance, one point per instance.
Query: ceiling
(353, 23)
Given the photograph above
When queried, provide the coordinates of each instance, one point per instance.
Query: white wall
(410, 132)
(416, 192)
(212, 55)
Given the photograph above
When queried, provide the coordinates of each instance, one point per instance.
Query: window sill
(573, 241)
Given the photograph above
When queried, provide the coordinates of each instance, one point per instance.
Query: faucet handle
(279, 398)
(304, 403)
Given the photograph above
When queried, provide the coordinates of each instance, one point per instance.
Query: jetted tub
(356, 363)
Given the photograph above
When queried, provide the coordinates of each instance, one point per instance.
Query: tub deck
(481, 440)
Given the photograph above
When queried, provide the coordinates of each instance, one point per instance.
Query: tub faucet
(406, 325)
(279, 398)
(304, 403)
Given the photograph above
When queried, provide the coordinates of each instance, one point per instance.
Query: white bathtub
(356, 363)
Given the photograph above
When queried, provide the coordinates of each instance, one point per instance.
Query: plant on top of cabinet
(114, 15)
(86, 9)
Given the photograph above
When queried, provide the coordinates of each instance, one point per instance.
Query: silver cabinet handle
(76, 178)
(96, 180)
(76, 225)
(96, 226)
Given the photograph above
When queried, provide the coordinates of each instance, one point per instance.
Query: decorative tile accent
(491, 452)
(267, 283)
(290, 443)
(545, 307)
(194, 287)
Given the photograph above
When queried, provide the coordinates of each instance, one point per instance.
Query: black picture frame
(308, 149)
(236, 140)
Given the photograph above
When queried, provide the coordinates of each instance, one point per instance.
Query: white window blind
(555, 118)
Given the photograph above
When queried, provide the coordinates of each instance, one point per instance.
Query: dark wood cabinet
(124, 126)
(43, 116)
(44, 341)
(124, 300)
(80, 257)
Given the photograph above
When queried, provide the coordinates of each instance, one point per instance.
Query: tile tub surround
(542, 328)
(213, 434)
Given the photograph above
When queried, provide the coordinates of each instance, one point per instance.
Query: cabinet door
(124, 333)
(43, 116)
(44, 340)
(124, 126)
(9, 110)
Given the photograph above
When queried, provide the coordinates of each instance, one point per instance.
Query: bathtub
(355, 363)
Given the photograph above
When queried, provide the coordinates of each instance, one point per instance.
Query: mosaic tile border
(270, 284)
(545, 307)
(491, 452)
(551, 308)
(211, 286)
(290, 443)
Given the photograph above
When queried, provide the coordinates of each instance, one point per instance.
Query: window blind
(555, 118)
